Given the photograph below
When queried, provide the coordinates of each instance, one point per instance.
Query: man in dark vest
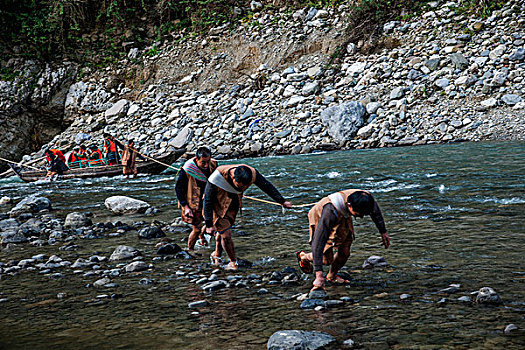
(223, 199)
(190, 192)
(331, 227)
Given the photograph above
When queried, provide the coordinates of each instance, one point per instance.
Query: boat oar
(25, 165)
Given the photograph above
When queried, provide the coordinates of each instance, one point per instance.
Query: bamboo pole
(275, 203)
(29, 166)
(8, 172)
(148, 157)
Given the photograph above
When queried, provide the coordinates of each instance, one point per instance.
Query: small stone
(200, 303)
(312, 303)
(464, 299)
(511, 327)
(317, 294)
(490, 102)
(374, 261)
(123, 252)
(511, 99)
(487, 295)
(349, 343)
(136, 266)
(397, 93)
(151, 232)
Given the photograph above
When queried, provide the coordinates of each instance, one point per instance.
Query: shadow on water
(455, 214)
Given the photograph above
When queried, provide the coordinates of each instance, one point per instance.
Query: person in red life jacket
(95, 156)
(56, 152)
(56, 165)
(190, 192)
(83, 153)
(110, 149)
(73, 160)
(331, 228)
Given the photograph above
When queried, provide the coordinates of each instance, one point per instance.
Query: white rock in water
(374, 261)
(4, 200)
(136, 266)
(76, 219)
(123, 252)
(125, 205)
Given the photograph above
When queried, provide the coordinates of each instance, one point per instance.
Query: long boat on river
(152, 167)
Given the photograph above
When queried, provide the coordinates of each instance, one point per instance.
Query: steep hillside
(292, 82)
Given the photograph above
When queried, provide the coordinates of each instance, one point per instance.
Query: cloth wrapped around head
(193, 170)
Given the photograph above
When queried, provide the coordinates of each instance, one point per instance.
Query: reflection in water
(455, 214)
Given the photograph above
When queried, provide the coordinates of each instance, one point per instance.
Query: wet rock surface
(295, 339)
(125, 205)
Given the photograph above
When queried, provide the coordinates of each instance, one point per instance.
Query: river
(455, 214)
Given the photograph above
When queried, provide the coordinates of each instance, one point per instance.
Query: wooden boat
(143, 167)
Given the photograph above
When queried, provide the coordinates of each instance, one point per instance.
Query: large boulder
(125, 205)
(12, 237)
(32, 227)
(9, 232)
(118, 109)
(9, 225)
(344, 120)
(31, 204)
(182, 138)
(124, 252)
(299, 340)
(75, 220)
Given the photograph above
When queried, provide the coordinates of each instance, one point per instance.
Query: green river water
(455, 214)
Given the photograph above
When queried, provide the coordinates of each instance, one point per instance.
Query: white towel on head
(339, 203)
(218, 180)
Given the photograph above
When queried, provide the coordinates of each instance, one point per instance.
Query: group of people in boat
(210, 197)
(92, 156)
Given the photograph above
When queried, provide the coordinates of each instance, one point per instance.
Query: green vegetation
(7, 74)
(482, 8)
(94, 31)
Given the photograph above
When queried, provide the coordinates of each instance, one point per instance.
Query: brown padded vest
(193, 193)
(344, 224)
(220, 209)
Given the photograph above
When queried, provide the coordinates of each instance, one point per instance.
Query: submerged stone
(312, 303)
(374, 261)
(487, 295)
(295, 339)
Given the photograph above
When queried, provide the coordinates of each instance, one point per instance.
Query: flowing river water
(455, 214)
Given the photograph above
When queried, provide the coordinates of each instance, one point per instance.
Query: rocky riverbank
(269, 87)
(64, 250)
